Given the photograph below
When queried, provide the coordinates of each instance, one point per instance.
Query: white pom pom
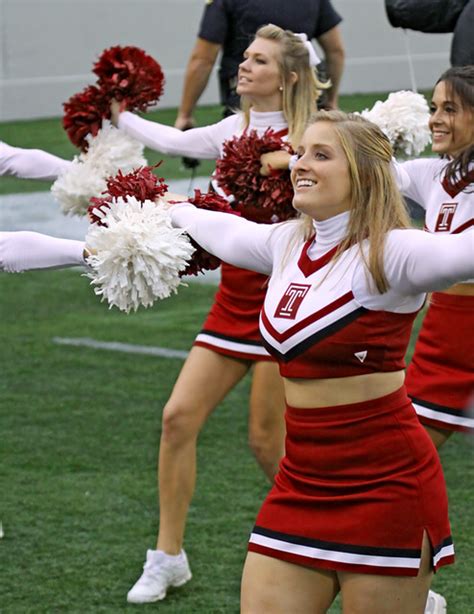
(404, 119)
(138, 256)
(111, 150)
(74, 188)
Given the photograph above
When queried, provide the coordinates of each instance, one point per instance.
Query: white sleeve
(24, 251)
(415, 178)
(231, 238)
(417, 261)
(30, 163)
(202, 142)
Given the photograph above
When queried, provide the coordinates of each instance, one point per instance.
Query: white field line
(116, 346)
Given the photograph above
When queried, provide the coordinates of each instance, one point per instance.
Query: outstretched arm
(30, 163)
(24, 251)
(232, 239)
(198, 142)
(417, 261)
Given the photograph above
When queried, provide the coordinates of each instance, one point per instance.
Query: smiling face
(451, 123)
(259, 74)
(320, 178)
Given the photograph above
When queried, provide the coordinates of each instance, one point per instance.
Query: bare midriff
(461, 289)
(341, 390)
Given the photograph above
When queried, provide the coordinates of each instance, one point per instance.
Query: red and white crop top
(323, 319)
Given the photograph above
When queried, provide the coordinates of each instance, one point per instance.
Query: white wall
(47, 48)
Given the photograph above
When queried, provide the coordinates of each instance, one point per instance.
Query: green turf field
(80, 429)
(79, 436)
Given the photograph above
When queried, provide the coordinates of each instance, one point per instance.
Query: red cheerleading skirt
(358, 486)
(440, 377)
(232, 326)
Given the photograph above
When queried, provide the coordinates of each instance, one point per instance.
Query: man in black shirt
(230, 25)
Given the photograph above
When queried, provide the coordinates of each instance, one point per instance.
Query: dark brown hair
(459, 82)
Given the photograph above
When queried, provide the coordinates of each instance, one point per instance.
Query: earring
(281, 88)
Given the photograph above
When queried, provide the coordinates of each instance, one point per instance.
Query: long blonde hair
(298, 98)
(376, 203)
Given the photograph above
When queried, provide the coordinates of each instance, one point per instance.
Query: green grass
(48, 134)
(80, 431)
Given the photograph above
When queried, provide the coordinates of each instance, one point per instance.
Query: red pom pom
(212, 202)
(202, 260)
(140, 183)
(258, 198)
(83, 114)
(101, 204)
(128, 74)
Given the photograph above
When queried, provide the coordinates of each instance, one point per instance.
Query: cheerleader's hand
(116, 108)
(273, 161)
(171, 198)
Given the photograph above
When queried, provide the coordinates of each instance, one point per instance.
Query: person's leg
(267, 417)
(276, 587)
(438, 436)
(205, 379)
(373, 594)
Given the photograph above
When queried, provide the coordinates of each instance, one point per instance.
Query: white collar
(329, 233)
(267, 119)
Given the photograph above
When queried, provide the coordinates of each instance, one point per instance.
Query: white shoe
(435, 604)
(160, 571)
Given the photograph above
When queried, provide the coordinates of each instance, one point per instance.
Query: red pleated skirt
(232, 326)
(440, 377)
(356, 490)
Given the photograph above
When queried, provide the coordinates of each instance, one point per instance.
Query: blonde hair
(376, 203)
(298, 97)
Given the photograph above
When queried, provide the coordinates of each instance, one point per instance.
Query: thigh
(205, 379)
(373, 594)
(267, 396)
(272, 586)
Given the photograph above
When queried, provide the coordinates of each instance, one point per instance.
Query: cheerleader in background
(279, 89)
(440, 377)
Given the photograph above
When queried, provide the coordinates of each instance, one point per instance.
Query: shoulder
(286, 237)
(403, 244)
(328, 17)
(404, 236)
(231, 124)
(430, 166)
(214, 21)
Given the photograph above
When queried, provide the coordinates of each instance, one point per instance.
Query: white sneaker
(435, 604)
(160, 571)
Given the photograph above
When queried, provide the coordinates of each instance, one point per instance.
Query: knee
(266, 441)
(258, 443)
(178, 425)
(266, 430)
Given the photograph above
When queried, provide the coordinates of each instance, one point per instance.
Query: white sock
(172, 557)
